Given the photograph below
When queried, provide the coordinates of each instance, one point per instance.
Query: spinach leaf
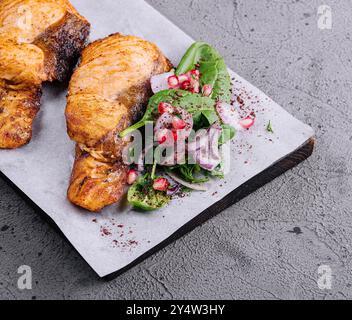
(212, 67)
(188, 172)
(193, 103)
(211, 116)
(219, 171)
(204, 119)
(187, 100)
(228, 133)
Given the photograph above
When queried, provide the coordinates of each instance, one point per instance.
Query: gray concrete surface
(249, 251)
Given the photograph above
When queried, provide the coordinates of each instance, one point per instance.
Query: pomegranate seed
(183, 78)
(207, 90)
(195, 88)
(162, 135)
(162, 139)
(161, 184)
(173, 82)
(132, 176)
(186, 85)
(165, 107)
(175, 135)
(247, 122)
(178, 123)
(195, 73)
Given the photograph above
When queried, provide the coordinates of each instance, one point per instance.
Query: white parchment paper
(115, 238)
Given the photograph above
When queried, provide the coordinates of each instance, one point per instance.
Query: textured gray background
(249, 251)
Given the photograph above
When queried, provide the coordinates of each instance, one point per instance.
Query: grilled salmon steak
(108, 92)
(40, 40)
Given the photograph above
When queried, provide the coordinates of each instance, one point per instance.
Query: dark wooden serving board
(42, 178)
(277, 169)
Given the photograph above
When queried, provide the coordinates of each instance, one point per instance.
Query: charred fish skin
(108, 92)
(40, 40)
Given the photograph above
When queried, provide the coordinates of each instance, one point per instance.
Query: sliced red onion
(173, 82)
(165, 121)
(205, 148)
(172, 159)
(165, 132)
(174, 189)
(183, 78)
(210, 158)
(195, 85)
(229, 115)
(160, 82)
(194, 74)
(178, 124)
(164, 137)
(193, 186)
(188, 81)
(132, 176)
(207, 90)
(248, 122)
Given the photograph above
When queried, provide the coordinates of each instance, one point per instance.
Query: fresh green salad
(192, 118)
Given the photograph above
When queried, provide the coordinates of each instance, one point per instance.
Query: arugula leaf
(212, 67)
(269, 128)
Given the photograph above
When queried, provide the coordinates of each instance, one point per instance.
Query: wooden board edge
(238, 194)
(266, 176)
